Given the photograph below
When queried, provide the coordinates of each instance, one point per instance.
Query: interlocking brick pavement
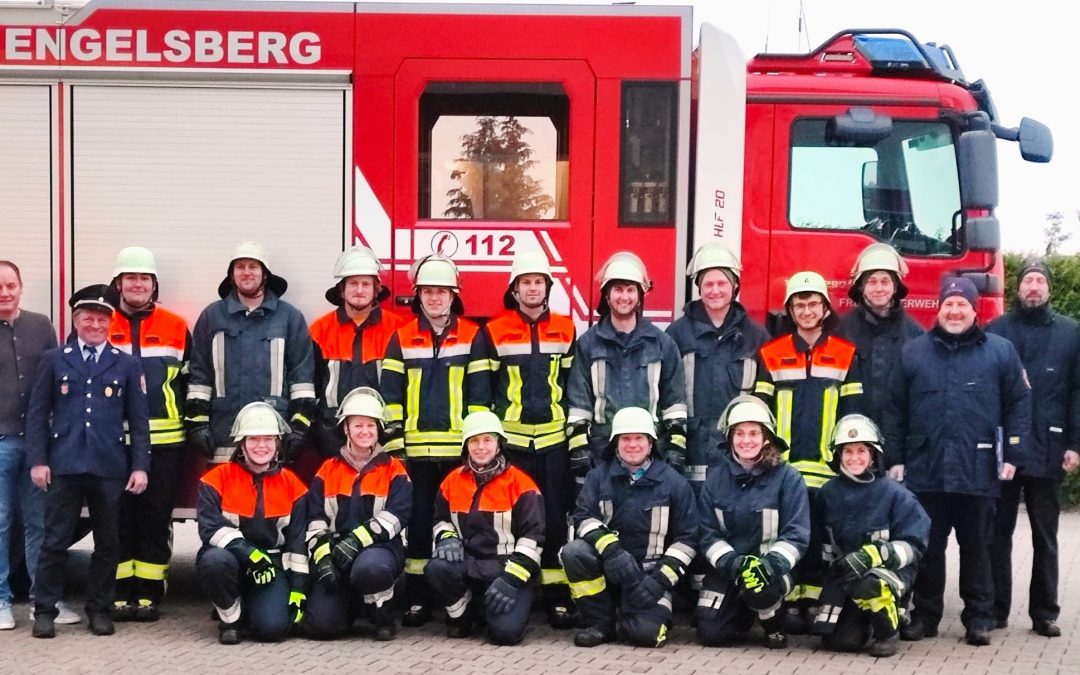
(185, 640)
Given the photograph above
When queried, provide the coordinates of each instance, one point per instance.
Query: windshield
(903, 189)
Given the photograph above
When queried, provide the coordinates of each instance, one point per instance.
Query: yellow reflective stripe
(803, 592)
(583, 589)
(321, 552)
(302, 419)
(393, 365)
(566, 361)
(151, 571)
(671, 574)
(767, 388)
(456, 389)
(828, 421)
(395, 412)
(125, 569)
(166, 424)
(517, 570)
(481, 365)
(875, 555)
(166, 437)
(415, 565)
(553, 576)
(513, 394)
(477, 408)
(605, 540)
(885, 601)
(170, 396)
(784, 399)
(577, 441)
(538, 442)
(556, 427)
(364, 536)
(412, 398)
(453, 437)
(556, 391)
(851, 389)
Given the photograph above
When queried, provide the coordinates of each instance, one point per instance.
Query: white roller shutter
(191, 172)
(25, 188)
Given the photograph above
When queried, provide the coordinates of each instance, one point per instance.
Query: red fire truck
(478, 132)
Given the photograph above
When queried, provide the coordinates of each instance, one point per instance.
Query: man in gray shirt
(24, 336)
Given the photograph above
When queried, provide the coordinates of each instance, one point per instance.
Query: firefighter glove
(201, 440)
(676, 458)
(647, 593)
(854, 565)
(349, 547)
(449, 548)
(620, 566)
(326, 574)
(755, 574)
(297, 602)
(580, 460)
(291, 445)
(261, 567)
(502, 594)
(730, 566)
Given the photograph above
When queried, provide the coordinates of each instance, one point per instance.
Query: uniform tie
(91, 353)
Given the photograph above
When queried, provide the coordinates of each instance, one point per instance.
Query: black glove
(580, 461)
(291, 445)
(326, 574)
(730, 566)
(450, 549)
(755, 574)
(854, 565)
(392, 437)
(502, 594)
(676, 458)
(261, 567)
(620, 566)
(648, 592)
(201, 440)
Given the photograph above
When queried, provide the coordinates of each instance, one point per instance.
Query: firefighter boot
(886, 633)
(385, 623)
(123, 611)
(593, 636)
(228, 633)
(460, 627)
(146, 611)
(775, 635)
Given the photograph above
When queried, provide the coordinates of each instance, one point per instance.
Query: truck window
(647, 159)
(494, 151)
(903, 189)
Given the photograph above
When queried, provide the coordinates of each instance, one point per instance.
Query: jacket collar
(605, 330)
(373, 317)
(1043, 315)
(971, 336)
(233, 304)
(702, 325)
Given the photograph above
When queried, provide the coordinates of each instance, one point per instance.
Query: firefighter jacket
(613, 370)
(242, 511)
(809, 389)
(340, 499)
(654, 516)
(878, 341)
(956, 402)
(855, 514)
(88, 417)
(1049, 346)
(500, 523)
(531, 363)
(347, 356)
(239, 356)
(162, 343)
(720, 363)
(430, 382)
(762, 512)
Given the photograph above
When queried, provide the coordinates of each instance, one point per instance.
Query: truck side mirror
(860, 125)
(1036, 141)
(976, 151)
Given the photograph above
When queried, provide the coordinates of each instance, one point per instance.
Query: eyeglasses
(809, 305)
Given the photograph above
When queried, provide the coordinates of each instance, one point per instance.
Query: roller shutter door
(25, 190)
(190, 172)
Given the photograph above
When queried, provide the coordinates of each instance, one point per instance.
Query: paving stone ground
(185, 640)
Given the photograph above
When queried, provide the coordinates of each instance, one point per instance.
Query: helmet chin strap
(866, 476)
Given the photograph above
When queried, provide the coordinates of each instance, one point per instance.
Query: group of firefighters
(809, 481)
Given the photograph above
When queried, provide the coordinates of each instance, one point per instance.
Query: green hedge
(1065, 294)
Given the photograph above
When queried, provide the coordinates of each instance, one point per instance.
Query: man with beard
(434, 373)
(879, 326)
(531, 350)
(249, 346)
(810, 378)
(161, 341)
(624, 361)
(1048, 344)
(350, 341)
(956, 393)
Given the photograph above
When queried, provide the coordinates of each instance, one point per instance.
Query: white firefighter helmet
(252, 250)
(625, 266)
(258, 419)
(746, 408)
(357, 261)
(713, 255)
(633, 421)
(435, 270)
(856, 429)
(529, 262)
(806, 282)
(362, 401)
(135, 260)
(874, 258)
(480, 422)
